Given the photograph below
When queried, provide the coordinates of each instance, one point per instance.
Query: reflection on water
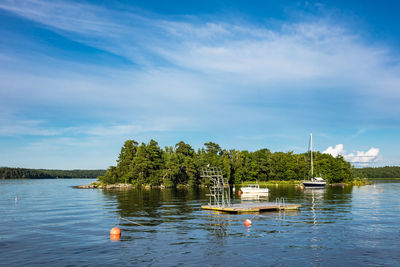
(316, 196)
(47, 222)
(254, 196)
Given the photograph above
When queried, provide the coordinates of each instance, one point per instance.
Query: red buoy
(247, 222)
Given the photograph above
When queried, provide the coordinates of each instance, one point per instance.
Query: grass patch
(359, 182)
(271, 182)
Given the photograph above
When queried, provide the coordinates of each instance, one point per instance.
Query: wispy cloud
(25, 127)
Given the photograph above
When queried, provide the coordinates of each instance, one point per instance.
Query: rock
(81, 186)
(89, 186)
(119, 186)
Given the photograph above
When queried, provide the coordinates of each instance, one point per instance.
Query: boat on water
(254, 189)
(314, 182)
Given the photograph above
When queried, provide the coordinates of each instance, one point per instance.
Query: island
(148, 165)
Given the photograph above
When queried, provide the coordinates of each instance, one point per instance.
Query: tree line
(21, 173)
(148, 164)
(377, 172)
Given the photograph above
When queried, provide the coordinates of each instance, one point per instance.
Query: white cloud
(356, 157)
(370, 156)
(335, 151)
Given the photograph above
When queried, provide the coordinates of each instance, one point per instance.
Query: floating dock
(252, 207)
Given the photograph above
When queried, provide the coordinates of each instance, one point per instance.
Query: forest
(21, 173)
(148, 164)
(377, 172)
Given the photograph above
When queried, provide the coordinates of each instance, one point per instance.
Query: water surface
(48, 222)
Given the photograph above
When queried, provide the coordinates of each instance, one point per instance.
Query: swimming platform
(252, 207)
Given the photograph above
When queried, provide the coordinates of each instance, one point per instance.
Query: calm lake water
(47, 222)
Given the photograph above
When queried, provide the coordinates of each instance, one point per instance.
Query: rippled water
(47, 222)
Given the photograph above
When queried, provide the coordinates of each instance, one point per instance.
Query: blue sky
(78, 78)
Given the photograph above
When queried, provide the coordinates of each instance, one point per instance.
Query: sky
(78, 78)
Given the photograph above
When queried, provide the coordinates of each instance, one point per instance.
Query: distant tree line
(377, 172)
(21, 173)
(148, 164)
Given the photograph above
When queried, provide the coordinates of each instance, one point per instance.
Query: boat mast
(312, 166)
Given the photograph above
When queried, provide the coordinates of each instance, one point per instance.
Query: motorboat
(254, 189)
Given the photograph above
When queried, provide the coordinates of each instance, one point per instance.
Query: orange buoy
(247, 222)
(115, 233)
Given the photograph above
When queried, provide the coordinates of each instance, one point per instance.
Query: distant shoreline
(24, 173)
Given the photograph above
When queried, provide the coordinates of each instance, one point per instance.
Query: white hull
(254, 189)
(258, 191)
(314, 184)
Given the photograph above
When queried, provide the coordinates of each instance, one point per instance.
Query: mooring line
(253, 217)
(130, 221)
(257, 215)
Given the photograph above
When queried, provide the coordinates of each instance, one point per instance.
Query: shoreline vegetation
(23, 173)
(147, 165)
(125, 186)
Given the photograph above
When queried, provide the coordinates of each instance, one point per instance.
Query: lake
(48, 222)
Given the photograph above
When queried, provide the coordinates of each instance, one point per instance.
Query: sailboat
(315, 181)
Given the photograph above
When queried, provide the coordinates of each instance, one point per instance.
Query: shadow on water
(155, 206)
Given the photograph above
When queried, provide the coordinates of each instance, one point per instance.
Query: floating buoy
(247, 222)
(115, 233)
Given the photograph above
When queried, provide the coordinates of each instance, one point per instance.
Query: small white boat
(254, 189)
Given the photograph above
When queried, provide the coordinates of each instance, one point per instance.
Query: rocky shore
(102, 186)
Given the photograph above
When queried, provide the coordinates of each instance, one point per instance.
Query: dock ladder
(280, 202)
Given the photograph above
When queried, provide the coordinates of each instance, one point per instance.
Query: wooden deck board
(252, 207)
